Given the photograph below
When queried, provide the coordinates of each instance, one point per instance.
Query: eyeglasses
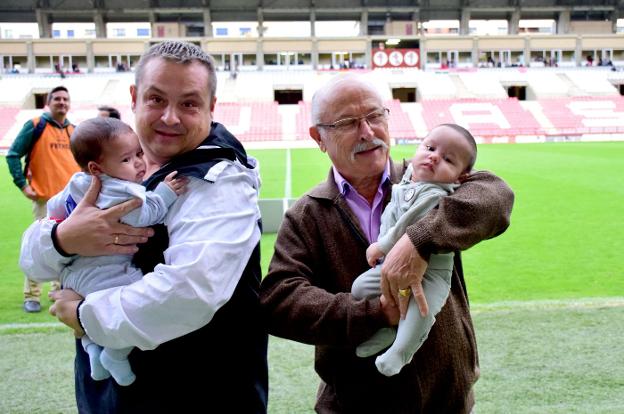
(376, 118)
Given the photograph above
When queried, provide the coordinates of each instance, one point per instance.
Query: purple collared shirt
(368, 215)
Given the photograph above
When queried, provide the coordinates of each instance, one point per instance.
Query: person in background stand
(108, 111)
(49, 164)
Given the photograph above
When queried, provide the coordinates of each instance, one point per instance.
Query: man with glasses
(321, 249)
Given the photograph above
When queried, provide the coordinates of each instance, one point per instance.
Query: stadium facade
(583, 28)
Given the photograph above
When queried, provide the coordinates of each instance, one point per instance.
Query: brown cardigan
(320, 250)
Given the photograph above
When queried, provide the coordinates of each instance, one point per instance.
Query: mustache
(173, 129)
(368, 145)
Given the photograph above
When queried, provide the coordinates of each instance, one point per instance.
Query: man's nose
(366, 132)
(169, 116)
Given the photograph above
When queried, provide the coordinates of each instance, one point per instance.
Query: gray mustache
(365, 146)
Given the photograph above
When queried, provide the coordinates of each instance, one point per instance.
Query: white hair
(325, 94)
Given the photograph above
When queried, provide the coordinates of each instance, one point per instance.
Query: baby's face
(442, 157)
(123, 158)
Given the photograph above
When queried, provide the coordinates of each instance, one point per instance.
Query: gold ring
(116, 241)
(405, 292)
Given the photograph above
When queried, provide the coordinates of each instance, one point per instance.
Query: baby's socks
(116, 361)
(98, 372)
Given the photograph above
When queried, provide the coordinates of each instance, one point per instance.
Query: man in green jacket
(49, 164)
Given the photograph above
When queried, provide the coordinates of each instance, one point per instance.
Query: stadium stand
(585, 115)
(303, 121)
(253, 121)
(545, 84)
(436, 86)
(485, 118)
(7, 121)
(561, 103)
(482, 85)
(400, 125)
(592, 83)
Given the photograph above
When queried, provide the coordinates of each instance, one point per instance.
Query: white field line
(20, 326)
(289, 121)
(581, 303)
(506, 306)
(287, 182)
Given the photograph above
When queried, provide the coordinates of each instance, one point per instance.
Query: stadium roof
(188, 11)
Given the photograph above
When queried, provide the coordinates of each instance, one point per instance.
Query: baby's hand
(177, 184)
(373, 254)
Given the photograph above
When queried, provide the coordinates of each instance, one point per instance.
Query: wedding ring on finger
(404, 293)
(116, 241)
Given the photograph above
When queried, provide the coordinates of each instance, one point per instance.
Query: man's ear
(133, 95)
(94, 168)
(213, 102)
(463, 177)
(316, 136)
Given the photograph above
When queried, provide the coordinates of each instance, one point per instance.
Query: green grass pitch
(547, 296)
(566, 229)
(564, 241)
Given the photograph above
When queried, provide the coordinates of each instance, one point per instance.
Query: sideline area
(536, 356)
(475, 309)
